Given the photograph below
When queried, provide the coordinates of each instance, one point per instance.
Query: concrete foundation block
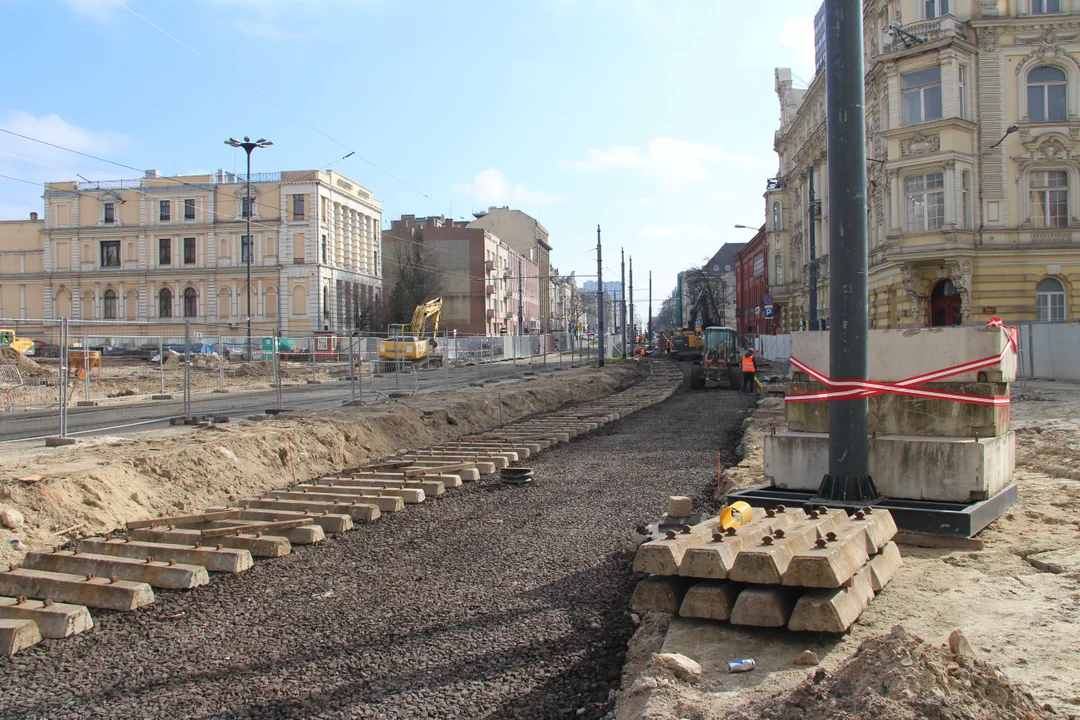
(265, 546)
(830, 563)
(328, 523)
(715, 557)
(903, 415)
(410, 496)
(303, 535)
(899, 354)
(908, 467)
(763, 606)
(57, 441)
(225, 560)
(16, 635)
(832, 611)
(97, 592)
(766, 562)
(710, 600)
(884, 566)
(663, 555)
(659, 594)
(54, 621)
(384, 503)
(159, 574)
(358, 511)
(431, 488)
(880, 528)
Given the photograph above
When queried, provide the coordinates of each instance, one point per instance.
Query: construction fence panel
(1049, 350)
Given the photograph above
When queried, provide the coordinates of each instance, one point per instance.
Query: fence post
(277, 367)
(352, 372)
(161, 363)
(221, 365)
(86, 367)
(187, 369)
(63, 375)
(313, 377)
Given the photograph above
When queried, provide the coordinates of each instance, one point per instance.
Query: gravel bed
(492, 602)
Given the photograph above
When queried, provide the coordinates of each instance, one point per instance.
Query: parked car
(44, 349)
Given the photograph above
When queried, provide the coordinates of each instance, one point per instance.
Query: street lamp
(248, 147)
(745, 227)
(1008, 131)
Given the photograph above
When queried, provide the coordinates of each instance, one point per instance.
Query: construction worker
(749, 367)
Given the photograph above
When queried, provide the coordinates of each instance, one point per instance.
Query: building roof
(724, 257)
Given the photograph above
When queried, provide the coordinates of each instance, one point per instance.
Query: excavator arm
(430, 309)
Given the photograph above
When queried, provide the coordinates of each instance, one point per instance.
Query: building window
(376, 263)
(164, 210)
(922, 96)
(110, 253)
(110, 212)
(1041, 7)
(189, 209)
(1046, 94)
(298, 207)
(1050, 199)
(110, 305)
(777, 216)
(324, 250)
(164, 251)
(245, 210)
(965, 198)
(1050, 300)
(935, 8)
(778, 273)
(165, 303)
(245, 249)
(759, 265)
(326, 301)
(925, 202)
(191, 303)
(189, 251)
(961, 81)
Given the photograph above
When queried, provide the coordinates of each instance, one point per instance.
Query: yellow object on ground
(736, 515)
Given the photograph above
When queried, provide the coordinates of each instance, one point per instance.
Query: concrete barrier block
(96, 592)
(328, 523)
(663, 555)
(880, 528)
(715, 557)
(766, 563)
(54, 621)
(884, 566)
(159, 574)
(897, 354)
(385, 503)
(659, 594)
(832, 611)
(410, 496)
(265, 546)
(16, 635)
(224, 560)
(710, 600)
(832, 561)
(908, 467)
(358, 511)
(763, 606)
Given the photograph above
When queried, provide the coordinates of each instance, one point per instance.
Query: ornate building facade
(973, 147)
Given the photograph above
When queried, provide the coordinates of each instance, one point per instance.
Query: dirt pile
(27, 367)
(900, 677)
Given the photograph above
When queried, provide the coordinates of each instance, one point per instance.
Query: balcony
(508, 315)
(911, 34)
(509, 293)
(298, 216)
(489, 265)
(490, 314)
(490, 290)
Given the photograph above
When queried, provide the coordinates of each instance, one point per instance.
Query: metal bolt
(47, 602)
(778, 534)
(219, 546)
(258, 533)
(858, 515)
(149, 559)
(172, 527)
(20, 600)
(830, 536)
(56, 548)
(114, 579)
(770, 513)
(76, 551)
(172, 562)
(198, 545)
(247, 507)
(13, 567)
(717, 537)
(685, 529)
(127, 539)
(867, 510)
(822, 510)
(819, 543)
(670, 534)
(813, 515)
(781, 508)
(89, 576)
(767, 540)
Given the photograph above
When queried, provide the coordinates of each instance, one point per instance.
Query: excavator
(412, 342)
(19, 345)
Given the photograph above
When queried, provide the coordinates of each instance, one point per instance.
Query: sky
(651, 118)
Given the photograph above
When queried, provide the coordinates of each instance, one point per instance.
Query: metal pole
(221, 364)
(521, 303)
(622, 294)
(64, 359)
(277, 367)
(848, 311)
(600, 293)
(187, 369)
(812, 207)
(250, 248)
(650, 307)
(161, 363)
(632, 333)
(86, 367)
(352, 371)
(312, 357)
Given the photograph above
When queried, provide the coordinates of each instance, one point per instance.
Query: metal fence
(85, 377)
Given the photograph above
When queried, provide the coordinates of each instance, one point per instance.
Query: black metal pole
(848, 311)
(649, 339)
(250, 248)
(521, 301)
(813, 253)
(600, 295)
(622, 294)
(632, 332)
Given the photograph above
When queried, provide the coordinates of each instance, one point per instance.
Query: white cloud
(56, 130)
(490, 187)
(666, 233)
(674, 163)
(269, 31)
(100, 10)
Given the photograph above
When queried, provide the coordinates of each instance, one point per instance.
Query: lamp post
(248, 147)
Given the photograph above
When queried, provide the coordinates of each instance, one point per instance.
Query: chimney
(33, 216)
(153, 173)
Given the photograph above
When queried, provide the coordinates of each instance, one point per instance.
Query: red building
(751, 289)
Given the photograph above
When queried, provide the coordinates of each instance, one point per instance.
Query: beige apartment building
(527, 236)
(173, 249)
(973, 146)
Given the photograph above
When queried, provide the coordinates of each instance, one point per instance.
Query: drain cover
(516, 476)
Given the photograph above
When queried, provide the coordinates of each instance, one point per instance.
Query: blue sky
(652, 118)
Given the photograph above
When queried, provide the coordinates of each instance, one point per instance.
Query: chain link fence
(81, 377)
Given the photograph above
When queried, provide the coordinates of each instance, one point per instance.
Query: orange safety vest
(748, 363)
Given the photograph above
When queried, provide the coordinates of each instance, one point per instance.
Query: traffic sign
(768, 311)
(767, 300)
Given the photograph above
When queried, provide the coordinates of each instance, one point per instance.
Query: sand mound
(900, 677)
(27, 367)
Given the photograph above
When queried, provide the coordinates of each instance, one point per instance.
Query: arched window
(777, 216)
(88, 305)
(1049, 300)
(131, 305)
(165, 303)
(270, 302)
(110, 302)
(62, 307)
(191, 302)
(1046, 94)
(224, 304)
(299, 300)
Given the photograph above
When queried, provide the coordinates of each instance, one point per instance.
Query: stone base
(903, 466)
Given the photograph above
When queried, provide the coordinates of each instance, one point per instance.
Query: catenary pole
(600, 296)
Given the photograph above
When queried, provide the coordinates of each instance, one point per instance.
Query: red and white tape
(857, 389)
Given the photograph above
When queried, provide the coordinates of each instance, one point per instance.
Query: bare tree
(416, 278)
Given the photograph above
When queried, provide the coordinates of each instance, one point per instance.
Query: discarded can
(740, 665)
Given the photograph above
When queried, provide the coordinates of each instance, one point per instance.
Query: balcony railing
(490, 289)
(489, 265)
(110, 185)
(490, 314)
(775, 183)
(938, 28)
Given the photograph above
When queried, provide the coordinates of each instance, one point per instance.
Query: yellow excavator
(413, 342)
(19, 345)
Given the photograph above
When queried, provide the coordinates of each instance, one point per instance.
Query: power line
(280, 106)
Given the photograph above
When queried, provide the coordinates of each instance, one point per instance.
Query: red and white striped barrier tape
(856, 389)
